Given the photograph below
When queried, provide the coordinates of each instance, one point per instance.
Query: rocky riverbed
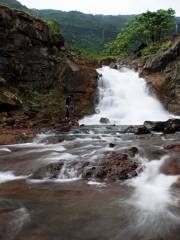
(94, 182)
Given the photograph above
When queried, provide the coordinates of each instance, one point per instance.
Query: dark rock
(142, 130)
(167, 127)
(132, 151)
(104, 120)
(172, 126)
(8, 101)
(50, 171)
(114, 166)
(111, 145)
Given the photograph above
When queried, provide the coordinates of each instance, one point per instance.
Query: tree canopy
(146, 28)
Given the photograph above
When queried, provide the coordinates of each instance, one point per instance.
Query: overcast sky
(113, 7)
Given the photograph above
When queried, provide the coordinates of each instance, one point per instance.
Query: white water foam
(124, 99)
(153, 201)
(9, 176)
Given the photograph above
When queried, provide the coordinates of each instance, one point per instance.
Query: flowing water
(145, 207)
(124, 99)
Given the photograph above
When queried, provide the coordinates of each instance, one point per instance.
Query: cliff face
(34, 64)
(163, 72)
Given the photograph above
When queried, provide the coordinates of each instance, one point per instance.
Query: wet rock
(154, 126)
(104, 120)
(114, 166)
(171, 167)
(167, 127)
(172, 126)
(174, 147)
(142, 130)
(50, 171)
(132, 151)
(112, 145)
(15, 135)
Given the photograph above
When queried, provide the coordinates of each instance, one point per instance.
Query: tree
(149, 27)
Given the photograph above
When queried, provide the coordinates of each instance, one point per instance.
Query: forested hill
(87, 30)
(81, 30)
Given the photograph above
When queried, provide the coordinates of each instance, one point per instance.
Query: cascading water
(124, 99)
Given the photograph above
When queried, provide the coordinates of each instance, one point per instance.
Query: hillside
(86, 31)
(36, 73)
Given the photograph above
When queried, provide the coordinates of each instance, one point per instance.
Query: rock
(174, 147)
(154, 126)
(142, 130)
(112, 145)
(9, 101)
(171, 167)
(35, 64)
(172, 126)
(158, 63)
(104, 120)
(132, 151)
(167, 127)
(114, 166)
(50, 171)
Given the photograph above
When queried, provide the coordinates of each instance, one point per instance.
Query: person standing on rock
(68, 105)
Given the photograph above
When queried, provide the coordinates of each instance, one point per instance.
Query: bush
(53, 27)
(156, 48)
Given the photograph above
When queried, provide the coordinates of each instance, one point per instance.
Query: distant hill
(85, 31)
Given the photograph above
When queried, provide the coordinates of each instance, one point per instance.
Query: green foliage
(54, 28)
(86, 31)
(155, 48)
(149, 27)
(13, 29)
(2, 82)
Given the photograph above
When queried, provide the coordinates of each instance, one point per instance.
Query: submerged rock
(50, 171)
(104, 120)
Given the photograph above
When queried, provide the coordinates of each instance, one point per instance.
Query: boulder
(104, 120)
(167, 127)
(171, 167)
(114, 166)
(9, 101)
(142, 130)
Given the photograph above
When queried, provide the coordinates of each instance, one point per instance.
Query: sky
(110, 7)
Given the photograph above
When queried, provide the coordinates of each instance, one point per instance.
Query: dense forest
(83, 31)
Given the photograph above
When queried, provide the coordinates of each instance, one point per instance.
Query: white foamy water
(152, 187)
(124, 99)
(9, 176)
(153, 201)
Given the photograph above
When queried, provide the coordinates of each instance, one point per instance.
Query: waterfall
(124, 99)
